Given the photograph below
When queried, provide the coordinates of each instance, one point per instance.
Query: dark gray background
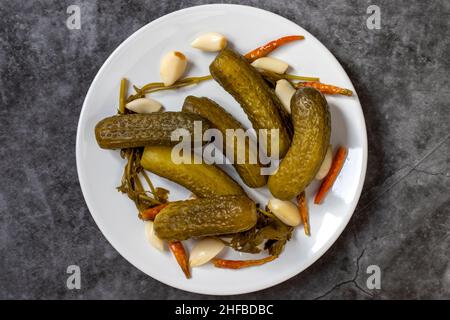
(401, 74)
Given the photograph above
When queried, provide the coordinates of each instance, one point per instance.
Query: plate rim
(251, 288)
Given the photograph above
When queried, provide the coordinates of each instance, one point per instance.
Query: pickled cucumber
(204, 180)
(312, 127)
(138, 130)
(222, 120)
(259, 102)
(218, 215)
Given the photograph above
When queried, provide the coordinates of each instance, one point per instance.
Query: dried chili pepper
(303, 211)
(151, 213)
(328, 181)
(325, 88)
(270, 46)
(238, 264)
(180, 255)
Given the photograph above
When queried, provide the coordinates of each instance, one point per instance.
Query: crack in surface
(353, 230)
(445, 174)
(412, 169)
(353, 280)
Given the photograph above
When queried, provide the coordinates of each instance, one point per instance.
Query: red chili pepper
(270, 46)
(151, 213)
(325, 88)
(180, 255)
(328, 181)
(303, 210)
(238, 264)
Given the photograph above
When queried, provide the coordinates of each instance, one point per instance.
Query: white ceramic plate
(137, 59)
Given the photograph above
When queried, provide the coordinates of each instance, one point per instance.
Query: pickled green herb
(268, 230)
(132, 185)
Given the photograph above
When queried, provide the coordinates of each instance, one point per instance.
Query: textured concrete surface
(401, 223)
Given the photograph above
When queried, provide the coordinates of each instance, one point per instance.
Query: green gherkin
(139, 130)
(312, 128)
(222, 120)
(246, 85)
(204, 180)
(211, 216)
